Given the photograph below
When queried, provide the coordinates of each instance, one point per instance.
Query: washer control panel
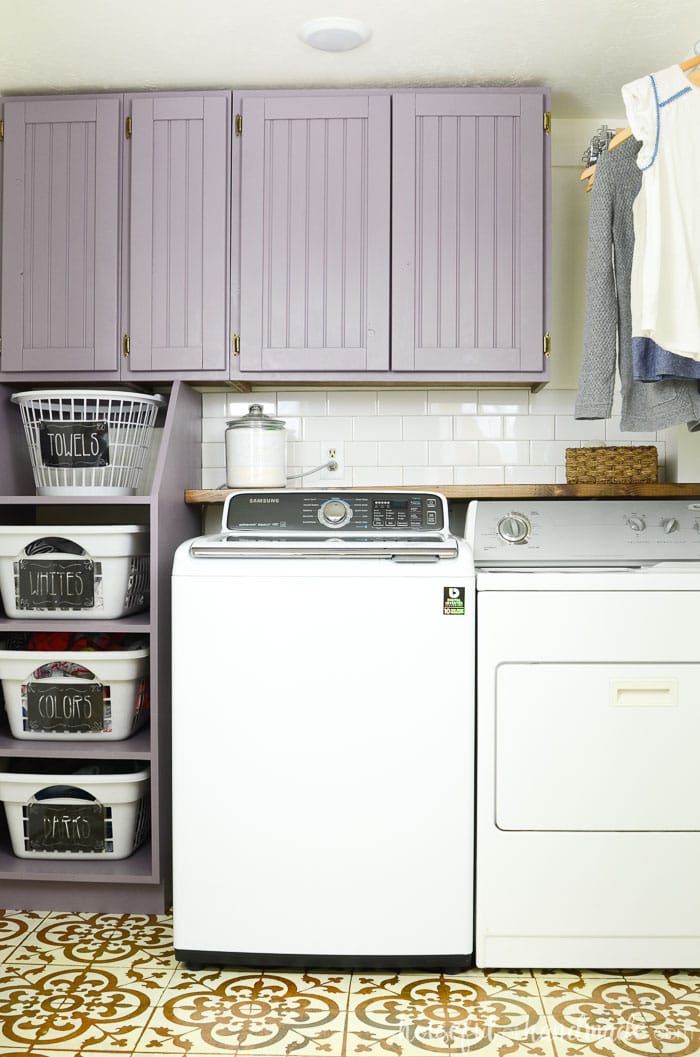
(287, 512)
(585, 532)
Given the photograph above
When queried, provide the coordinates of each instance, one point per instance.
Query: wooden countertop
(493, 491)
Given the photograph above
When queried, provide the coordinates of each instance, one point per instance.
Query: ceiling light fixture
(334, 34)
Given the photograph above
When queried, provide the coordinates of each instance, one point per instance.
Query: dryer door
(597, 746)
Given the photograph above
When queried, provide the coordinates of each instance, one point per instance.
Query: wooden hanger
(624, 133)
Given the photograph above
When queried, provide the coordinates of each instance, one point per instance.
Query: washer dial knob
(335, 513)
(670, 524)
(514, 528)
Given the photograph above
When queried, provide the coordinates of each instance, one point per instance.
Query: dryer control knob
(670, 524)
(514, 528)
(636, 523)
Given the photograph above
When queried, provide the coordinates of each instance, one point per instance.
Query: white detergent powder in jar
(256, 451)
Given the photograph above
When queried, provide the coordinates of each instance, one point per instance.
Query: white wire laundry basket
(89, 441)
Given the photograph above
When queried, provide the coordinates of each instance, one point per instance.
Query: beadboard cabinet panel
(178, 233)
(468, 232)
(315, 189)
(61, 231)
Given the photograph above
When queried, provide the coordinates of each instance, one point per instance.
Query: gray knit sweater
(607, 335)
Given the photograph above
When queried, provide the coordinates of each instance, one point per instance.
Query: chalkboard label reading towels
(65, 827)
(55, 583)
(63, 707)
(74, 443)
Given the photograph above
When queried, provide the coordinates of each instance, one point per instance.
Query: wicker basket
(637, 465)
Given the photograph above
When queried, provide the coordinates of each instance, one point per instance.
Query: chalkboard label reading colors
(74, 443)
(65, 708)
(75, 828)
(55, 583)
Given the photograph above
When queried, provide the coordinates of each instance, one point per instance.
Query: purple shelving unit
(142, 882)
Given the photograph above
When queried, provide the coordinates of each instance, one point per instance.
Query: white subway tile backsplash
(431, 475)
(376, 475)
(420, 437)
(614, 434)
(478, 474)
(383, 427)
(452, 452)
(528, 427)
(213, 405)
(530, 474)
(213, 478)
(327, 428)
(304, 452)
(363, 402)
(427, 427)
(238, 404)
(548, 452)
(478, 427)
(566, 427)
(552, 402)
(213, 455)
(402, 402)
(504, 452)
(403, 452)
(452, 402)
(503, 401)
(361, 453)
(305, 403)
(213, 430)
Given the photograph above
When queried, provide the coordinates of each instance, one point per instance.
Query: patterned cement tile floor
(105, 984)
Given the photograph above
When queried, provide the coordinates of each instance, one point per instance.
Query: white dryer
(588, 705)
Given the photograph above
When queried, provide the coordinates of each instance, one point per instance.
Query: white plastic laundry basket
(93, 572)
(75, 695)
(87, 441)
(55, 811)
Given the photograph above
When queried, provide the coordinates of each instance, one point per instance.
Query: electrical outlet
(333, 451)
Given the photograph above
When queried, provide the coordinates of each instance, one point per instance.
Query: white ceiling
(583, 49)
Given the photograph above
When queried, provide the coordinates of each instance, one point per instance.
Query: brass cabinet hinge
(236, 345)
(2, 130)
(547, 122)
(128, 127)
(547, 344)
(239, 124)
(126, 346)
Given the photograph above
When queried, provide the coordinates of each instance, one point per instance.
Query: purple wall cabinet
(177, 162)
(468, 232)
(464, 272)
(314, 233)
(61, 224)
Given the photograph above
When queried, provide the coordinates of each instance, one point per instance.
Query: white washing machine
(588, 703)
(323, 734)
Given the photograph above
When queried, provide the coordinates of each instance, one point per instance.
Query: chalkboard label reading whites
(65, 708)
(74, 443)
(65, 828)
(55, 583)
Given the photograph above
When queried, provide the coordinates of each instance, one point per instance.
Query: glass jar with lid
(256, 450)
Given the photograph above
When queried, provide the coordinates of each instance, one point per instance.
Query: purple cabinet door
(178, 242)
(61, 223)
(315, 244)
(468, 232)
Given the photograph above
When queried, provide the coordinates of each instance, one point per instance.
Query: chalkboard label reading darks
(65, 828)
(74, 443)
(55, 583)
(65, 708)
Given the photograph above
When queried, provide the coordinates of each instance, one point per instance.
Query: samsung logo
(263, 500)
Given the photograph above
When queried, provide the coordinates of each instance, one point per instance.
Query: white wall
(468, 435)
